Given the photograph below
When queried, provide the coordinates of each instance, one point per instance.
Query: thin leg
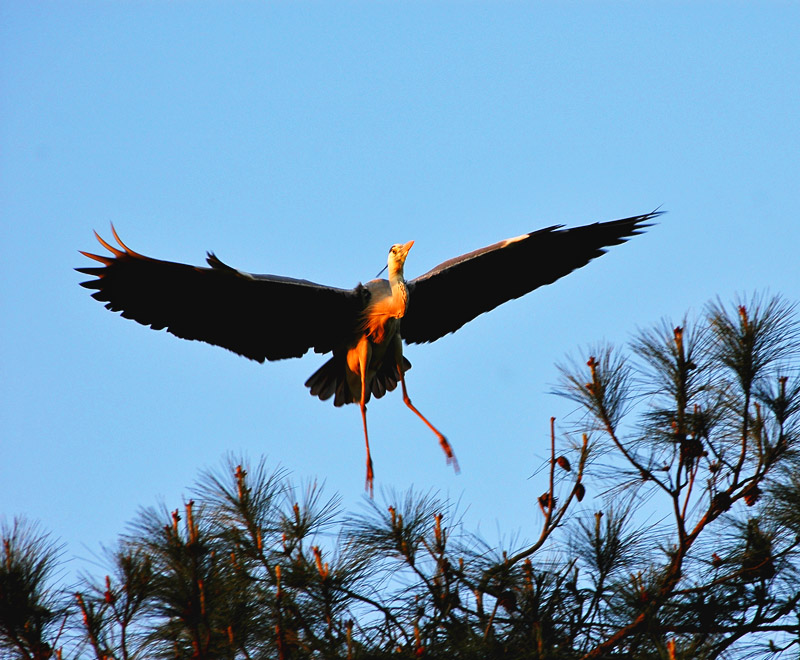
(448, 450)
(370, 474)
(363, 359)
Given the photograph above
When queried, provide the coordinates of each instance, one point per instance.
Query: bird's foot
(448, 450)
(370, 478)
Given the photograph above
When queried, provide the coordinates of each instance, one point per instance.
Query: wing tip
(633, 226)
(106, 261)
(128, 251)
(113, 250)
(641, 222)
(125, 251)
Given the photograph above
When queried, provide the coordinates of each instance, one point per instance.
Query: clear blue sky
(304, 139)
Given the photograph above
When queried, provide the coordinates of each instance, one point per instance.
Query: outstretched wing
(455, 292)
(262, 317)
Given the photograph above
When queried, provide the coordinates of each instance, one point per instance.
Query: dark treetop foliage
(689, 548)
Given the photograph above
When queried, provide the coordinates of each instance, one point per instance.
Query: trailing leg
(445, 445)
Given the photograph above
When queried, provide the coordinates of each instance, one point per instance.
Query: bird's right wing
(262, 317)
(455, 292)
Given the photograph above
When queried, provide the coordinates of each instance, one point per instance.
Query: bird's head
(397, 257)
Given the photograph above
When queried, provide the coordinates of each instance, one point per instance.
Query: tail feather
(330, 380)
(386, 378)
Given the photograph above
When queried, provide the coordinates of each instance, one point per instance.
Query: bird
(272, 317)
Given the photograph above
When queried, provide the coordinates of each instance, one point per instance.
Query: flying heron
(269, 317)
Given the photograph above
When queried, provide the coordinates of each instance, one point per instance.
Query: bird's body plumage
(270, 317)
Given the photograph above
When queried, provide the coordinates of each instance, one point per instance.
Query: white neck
(395, 274)
(399, 289)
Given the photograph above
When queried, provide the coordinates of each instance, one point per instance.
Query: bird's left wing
(262, 317)
(455, 292)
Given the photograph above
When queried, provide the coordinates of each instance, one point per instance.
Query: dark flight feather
(262, 317)
(458, 290)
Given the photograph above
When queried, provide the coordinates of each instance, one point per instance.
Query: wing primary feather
(115, 251)
(262, 317)
(460, 289)
(123, 246)
(103, 260)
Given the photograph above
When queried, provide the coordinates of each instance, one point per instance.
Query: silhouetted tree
(33, 612)
(687, 548)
